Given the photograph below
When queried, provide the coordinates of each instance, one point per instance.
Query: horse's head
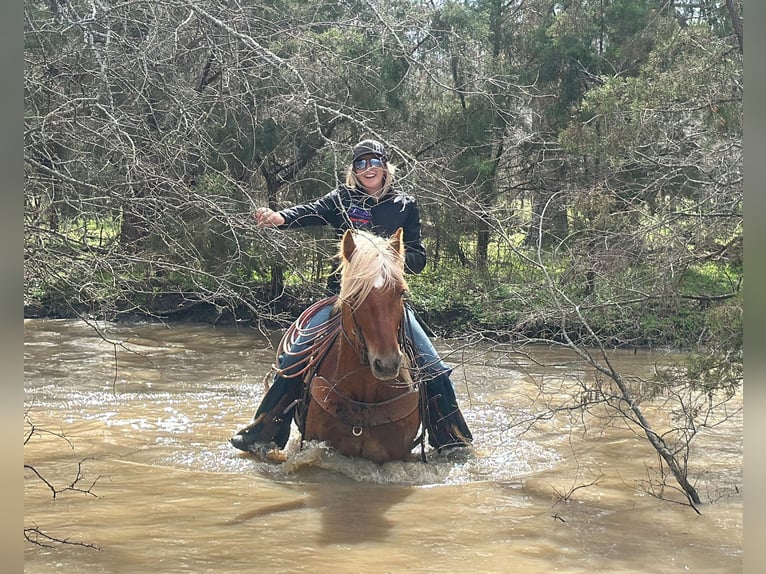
(372, 298)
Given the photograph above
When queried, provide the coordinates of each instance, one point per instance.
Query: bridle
(358, 341)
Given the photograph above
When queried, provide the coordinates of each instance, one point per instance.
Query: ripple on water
(318, 462)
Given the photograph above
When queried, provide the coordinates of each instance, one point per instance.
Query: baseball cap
(369, 146)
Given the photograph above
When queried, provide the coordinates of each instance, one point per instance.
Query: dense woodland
(578, 163)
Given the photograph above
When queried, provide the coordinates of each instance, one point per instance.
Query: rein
(322, 337)
(360, 344)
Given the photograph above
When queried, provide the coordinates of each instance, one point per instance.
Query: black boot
(272, 420)
(446, 425)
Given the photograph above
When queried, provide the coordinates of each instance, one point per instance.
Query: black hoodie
(345, 208)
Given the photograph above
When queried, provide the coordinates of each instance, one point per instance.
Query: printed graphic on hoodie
(360, 217)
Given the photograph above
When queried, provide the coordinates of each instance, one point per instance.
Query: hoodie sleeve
(414, 252)
(322, 211)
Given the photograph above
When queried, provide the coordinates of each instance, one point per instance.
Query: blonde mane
(373, 264)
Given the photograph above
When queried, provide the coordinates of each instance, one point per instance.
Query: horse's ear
(347, 244)
(396, 242)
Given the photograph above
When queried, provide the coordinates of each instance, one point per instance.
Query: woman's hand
(266, 217)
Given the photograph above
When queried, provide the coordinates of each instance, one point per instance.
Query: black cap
(369, 146)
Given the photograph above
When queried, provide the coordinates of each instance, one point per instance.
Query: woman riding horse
(368, 201)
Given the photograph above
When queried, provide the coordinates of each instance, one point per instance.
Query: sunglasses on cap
(365, 163)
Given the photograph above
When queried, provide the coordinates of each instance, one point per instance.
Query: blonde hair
(372, 258)
(353, 182)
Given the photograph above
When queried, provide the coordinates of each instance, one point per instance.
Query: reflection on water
(146, 412)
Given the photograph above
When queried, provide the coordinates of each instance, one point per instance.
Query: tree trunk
(277, 271)
(736, 24)
(482, 245)
(549, 220)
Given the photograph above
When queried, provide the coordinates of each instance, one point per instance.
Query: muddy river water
(144, 417)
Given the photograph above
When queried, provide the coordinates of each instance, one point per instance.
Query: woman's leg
(272, 420)
(446, 425)
(428, 360)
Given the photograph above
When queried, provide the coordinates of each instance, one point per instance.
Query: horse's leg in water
(272, 420)
(446, 425)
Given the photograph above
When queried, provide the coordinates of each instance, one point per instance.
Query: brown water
(148, 421)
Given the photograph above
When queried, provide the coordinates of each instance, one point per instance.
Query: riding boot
(272, 420)
(446, 425)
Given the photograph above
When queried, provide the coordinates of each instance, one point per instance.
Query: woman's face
(370, 170)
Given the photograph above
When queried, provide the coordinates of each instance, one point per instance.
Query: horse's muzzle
(386, 369)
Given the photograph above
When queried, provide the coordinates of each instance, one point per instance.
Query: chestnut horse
(361, 399)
